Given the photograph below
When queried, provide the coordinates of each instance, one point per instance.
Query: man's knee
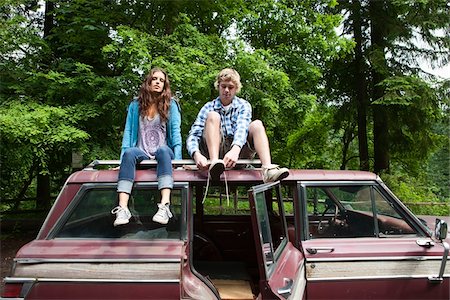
(256, 126)
(213, 117)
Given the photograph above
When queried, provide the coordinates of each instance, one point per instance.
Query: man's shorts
(247, 152)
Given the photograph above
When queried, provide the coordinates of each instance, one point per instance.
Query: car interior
(224, 247)
(350, 211)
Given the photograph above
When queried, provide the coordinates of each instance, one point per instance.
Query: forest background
(338, 84)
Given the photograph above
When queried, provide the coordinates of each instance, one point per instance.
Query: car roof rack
(183, 163)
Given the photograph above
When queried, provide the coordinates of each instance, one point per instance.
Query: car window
(352, 211)
(271, 226)
(223, 200)
(287, 193)
(89, 216)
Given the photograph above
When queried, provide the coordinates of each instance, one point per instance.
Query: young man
(224, 129)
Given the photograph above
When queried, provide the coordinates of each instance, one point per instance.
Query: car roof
(188, 172)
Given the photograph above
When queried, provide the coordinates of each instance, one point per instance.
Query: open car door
(281, 265)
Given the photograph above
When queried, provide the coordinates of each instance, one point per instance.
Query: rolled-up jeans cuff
(124, 186)
(165, 182)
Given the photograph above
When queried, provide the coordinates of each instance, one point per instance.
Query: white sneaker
(216, 169)
(163, 214)
(123, 215)
(273, 173)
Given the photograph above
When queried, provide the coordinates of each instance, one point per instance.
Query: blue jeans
(133, 156)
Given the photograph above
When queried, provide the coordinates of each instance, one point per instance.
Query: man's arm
(196, 132)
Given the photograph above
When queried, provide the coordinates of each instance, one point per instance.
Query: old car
(318, 234)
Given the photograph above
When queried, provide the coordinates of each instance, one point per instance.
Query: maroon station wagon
(317, 234)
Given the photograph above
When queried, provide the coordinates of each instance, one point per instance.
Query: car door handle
(319, 249)
(286, 290)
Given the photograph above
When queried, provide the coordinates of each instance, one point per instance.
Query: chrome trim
(16, 280)
(337, 182)
(152, 163)
(371, 277)
(96, 260)
(381, 258)
(439, 278)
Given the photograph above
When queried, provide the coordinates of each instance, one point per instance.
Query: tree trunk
(173, 9)
(360, 88)
(43, 181)
(380, 139)
(48, 18)
(346, 141)
(380, 116)
(25, 186)
(43, 191)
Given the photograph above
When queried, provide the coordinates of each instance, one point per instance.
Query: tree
(385, 56)
(301, 38)
(35, 135)
(86, 59)
(398, 93)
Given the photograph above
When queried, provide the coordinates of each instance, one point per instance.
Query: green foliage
(416, 193)
(413, 110)
(300, 33)
(32, 135)
(314, 144)
(68, 89)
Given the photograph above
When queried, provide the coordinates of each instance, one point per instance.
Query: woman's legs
(130, 158)
(164, 156)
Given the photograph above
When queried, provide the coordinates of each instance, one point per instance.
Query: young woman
(152, 131)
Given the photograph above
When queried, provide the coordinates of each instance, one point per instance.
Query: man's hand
(232, 156)
(200, 161)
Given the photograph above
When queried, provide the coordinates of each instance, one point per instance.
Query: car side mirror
(440, 229)
(440, 233)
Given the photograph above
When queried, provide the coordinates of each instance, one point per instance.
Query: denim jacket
(173, 138)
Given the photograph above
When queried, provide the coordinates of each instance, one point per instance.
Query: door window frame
(387, 195)
(269, 269)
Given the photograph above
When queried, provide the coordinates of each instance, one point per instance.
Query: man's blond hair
(229, 74)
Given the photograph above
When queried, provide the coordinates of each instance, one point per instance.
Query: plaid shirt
(234, 122)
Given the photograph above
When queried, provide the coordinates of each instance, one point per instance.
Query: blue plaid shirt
(234, 122)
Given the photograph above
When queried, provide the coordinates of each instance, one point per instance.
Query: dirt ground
(10, 242)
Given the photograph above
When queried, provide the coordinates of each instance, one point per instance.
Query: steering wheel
(329, 204)
(205, 249)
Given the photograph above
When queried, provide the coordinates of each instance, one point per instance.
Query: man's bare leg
(257, 134)
(212, 135)
(212, 138)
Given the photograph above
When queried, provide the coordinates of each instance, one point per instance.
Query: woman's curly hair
(147, 98)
